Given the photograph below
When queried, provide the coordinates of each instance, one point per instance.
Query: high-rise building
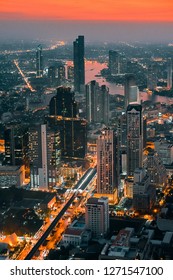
(130, 89)
(52, 75)
(134, 138)
(97, 216)
(134, 95)
(61, 74)
(16, 145)
(169, 73)
(108, 164)
(39, 62)
(79, 64)
(144, 194)
(97, 103)
(70, 72)
(63, 117)
(156, 169)
(114, 62)
(152, 77)
(45, 155)
(165, 151)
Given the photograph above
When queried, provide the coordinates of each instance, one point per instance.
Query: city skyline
(94, 31)
(86, 132)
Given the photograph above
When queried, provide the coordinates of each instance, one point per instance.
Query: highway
(81, 185)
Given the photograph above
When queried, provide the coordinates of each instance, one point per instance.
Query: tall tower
(114, 62)
(45, 155)
(16, 145)
(92, 92)
(134, 94)
(152, 77)
(169, 73)
(52, 75)
(79, 64)
(63, 117)
(130, 82)
(107, 164)
(134, 138)
(97, 216)
(97, 103)
(104, 104)
(39, 62)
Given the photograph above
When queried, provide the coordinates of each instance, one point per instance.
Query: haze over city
(86, 132)
(94, 31)
(109, 20)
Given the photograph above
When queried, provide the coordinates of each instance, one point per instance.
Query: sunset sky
(121, 10)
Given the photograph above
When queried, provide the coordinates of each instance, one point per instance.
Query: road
(80, 186)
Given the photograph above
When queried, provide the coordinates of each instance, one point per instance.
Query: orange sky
(140, 10)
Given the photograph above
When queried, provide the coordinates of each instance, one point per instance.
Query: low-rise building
(12, 176)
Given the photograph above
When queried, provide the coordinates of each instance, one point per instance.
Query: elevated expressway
(82, 184)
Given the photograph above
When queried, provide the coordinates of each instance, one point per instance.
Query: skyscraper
(134, 138)
(152, 77)
(114, 62)
(130, 82)
(97, 103)
(169, 73)
(144, 194)
(45, 155)
(63, 117)
(16, 145)
(133, 95)
(39, 62)
(156, 169)
(107, 164)
(52, 75)
(97, 216)
(79, 64)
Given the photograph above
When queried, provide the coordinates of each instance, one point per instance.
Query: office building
(97, 216)
(156, 169)
(70, 72)
(39, 62)
(152, 77)
(16, 145)
(169, 73)
(63, 118)
(144, 194)
(133, 95)
(12, 176)
(165, 151)
(45, 156)
(114, 62)
(79, 64)
(61, 74)
(130, 89)
(52, 75)
(108, 164)
(134, 138)
(97, 103)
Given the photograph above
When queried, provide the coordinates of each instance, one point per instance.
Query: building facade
(45, 155)
(63, 118)
(134, 138)
(107, 163)
(39, 62)
(97, 103)
(79, 63)
(97, 216)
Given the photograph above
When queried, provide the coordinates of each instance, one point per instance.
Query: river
(93, 68)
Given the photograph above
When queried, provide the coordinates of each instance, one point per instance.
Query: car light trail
(23, 76)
